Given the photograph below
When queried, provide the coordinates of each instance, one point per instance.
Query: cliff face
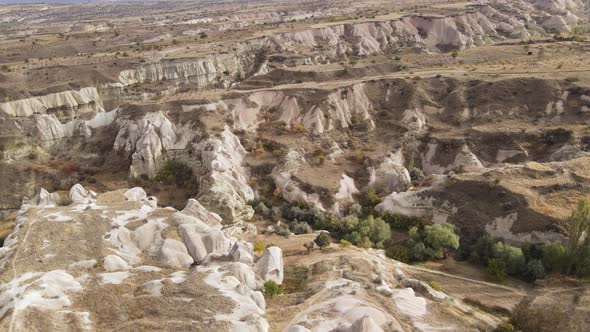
(481, 24)
(203, 72)
(70, 103)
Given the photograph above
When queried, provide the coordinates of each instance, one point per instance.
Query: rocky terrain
(470, 114)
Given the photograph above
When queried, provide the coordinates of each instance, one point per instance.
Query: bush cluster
(299, 219)
(425, 242)
(529, 262)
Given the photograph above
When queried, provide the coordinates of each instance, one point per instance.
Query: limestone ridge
(217, 161)
(482, 24)
(126, 245)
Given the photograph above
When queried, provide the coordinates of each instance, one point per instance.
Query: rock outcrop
(480, 25)
(121, 251)
(71, 103)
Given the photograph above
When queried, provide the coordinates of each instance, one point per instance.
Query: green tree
(496, 269)
(323, 240)
(578, 230)
(554, 256)
(440, 237)
(534, 270)
(380, 230)
(513, 259)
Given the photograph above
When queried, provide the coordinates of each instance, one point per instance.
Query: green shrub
(505, 327)
(175, 172)
(282, 231)
(435, 285)
(259, 247)
(554, 257)
(271, 288)
(323, 240)
(371, 198)
(534, 270)
(496, 269)
(301, 228)
(344, 244)
(398, 252)
(295, 278)
(484, 249)
(400, 222)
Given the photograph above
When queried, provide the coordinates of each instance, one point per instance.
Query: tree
(440, 237)
(554, 256)
(534, 270)
(496, 269)
(323, 240)
(379, 230)
(455, 54)
(578, 230)
(513, 259)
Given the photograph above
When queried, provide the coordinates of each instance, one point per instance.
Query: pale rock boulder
(413, 203)
(136, 194)
(173, 253)
(346, 192)
(147, 139)
(202, 241)
(390, 175)
(152, 202)
(79, 195)
(467, 158)
(414, 120)
(148, 154)
(364, 324)
(114, 263)
(149, 235)
(244, 274)
(242, 251)
(297, 328)
(43, 199)
(196, 210)
(270, 265)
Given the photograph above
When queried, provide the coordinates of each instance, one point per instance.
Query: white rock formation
(173, 253)
(225, 189)
(79, 195)
(114, 263)
(43, 199)
(501, 228)
(290, 191)
(200, 71)
(346, 192)
(270, 265)
(136, 233)
(83, 101)
(411, 203)
(391, 175)
(473, 28)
